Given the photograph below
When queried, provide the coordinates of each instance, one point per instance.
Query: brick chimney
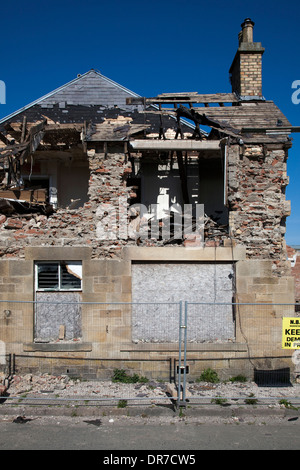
(246, 69)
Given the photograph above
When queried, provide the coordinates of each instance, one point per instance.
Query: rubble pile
(64, 387)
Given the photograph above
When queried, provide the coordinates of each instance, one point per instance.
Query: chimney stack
(246, 69)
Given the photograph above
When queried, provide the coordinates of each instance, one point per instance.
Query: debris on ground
(65, 387)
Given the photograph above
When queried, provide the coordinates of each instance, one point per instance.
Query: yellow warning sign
(291, 333)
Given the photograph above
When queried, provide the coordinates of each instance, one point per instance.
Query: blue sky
(151, 48)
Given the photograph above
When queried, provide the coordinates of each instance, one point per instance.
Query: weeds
(238, 378)
(287, 404)
(121, 376)
(209, 375)
(122, 403)
(250, 400)
(219, 401)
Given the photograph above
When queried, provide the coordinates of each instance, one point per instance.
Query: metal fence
(171, 352)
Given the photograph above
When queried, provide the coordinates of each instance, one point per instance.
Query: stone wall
(108, 318)
(293, 255)
(105, 282)
(256, 197)
(256, 186)
(263, 300)
(77, 227)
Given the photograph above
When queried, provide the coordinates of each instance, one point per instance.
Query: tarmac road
(32, 436)
(166, 435)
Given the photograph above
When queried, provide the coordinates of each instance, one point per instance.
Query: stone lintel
(184, 254)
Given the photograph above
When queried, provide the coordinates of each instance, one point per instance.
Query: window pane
(48, 276)
(71, 275)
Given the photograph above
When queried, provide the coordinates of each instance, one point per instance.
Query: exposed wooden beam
(4, 139)
(185, 98)
(292, 129)
(23, 133)
(174, 144)
(13, 149)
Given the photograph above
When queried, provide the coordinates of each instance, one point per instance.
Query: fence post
(13, 363)
(179, 353)
(182, 326)
(184, 353)
(9, 365)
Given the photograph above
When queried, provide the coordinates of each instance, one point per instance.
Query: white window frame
(59, 288)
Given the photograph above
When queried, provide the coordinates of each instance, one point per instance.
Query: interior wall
(211, 189)
(161, 185)
(72, 184)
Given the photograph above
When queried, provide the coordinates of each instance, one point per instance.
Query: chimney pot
(247, 30)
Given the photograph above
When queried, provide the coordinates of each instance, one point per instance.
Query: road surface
(170, 438)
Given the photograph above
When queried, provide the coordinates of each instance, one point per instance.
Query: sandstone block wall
(110, 323)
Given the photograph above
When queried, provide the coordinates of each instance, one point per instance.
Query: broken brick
(3, 390)
(14, 224)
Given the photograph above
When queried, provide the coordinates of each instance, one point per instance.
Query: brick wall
(246, 69)
(251, 75)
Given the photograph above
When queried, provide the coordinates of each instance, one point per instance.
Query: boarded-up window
(208, 289)
(58, 301)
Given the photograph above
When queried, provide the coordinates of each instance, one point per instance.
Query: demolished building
(107, 197)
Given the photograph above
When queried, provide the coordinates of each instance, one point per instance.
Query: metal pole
(179, 358)
(184, 352)
(9, 365)
(13, 363)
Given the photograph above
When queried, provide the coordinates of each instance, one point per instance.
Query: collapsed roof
(93, 108)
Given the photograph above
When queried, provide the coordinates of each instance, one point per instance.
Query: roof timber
(193, 97)
(237, 117)
(263, 115)
(175, 144)
(113, 130)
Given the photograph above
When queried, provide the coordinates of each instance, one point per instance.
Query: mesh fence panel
(90, 352)
(98, 351)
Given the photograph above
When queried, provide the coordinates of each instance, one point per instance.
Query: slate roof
(89, 89)
(89, 97)
(262, 114)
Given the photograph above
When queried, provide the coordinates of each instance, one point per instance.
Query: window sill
(57, 347)
(191, 347)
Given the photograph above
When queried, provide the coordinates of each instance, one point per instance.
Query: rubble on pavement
(63, 386)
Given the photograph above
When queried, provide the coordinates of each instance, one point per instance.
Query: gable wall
(256, 182)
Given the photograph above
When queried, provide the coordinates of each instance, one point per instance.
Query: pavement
(160, 429)
(159, 413)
